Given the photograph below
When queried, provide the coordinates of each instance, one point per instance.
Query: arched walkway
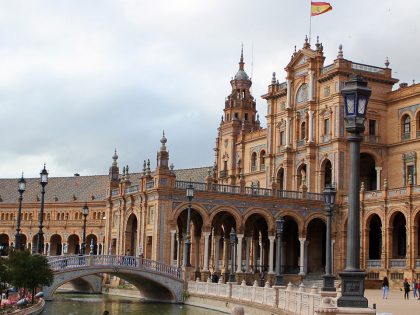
(375, 237)
(55, 245)
(316, 237)
(130, 235)
(326, 174)
(257, 243)
(399, 236)
(89, 239)
(4, 244)
(290, 246)
(73, 245)
(368, 171)
(280, 179)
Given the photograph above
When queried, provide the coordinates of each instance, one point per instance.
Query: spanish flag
(318, 8)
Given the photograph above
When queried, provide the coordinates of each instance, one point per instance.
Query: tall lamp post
(356, 95)
(232, 235)
(279, 233)
(43, 182)
(85, 214)
(328, 278)
(21, 190)
(187, 243)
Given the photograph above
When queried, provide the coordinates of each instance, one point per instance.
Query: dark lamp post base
(328, 283)
(352, 289)
(279, 280)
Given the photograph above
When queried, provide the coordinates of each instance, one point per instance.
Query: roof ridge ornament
(340, 52)
(387, 62)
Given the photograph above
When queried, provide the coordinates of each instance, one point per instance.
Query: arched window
(406, 127)
(302, 94)
(303, 131)
(254, 162)
(262, 160)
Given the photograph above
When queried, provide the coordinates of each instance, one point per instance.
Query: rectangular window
(410, 173)
(282, 138)
(327, 91)
(336, 86)
(372, 127)
(150, 215)
(326, 126)
(246, 116)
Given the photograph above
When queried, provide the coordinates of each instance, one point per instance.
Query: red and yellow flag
(318, 8)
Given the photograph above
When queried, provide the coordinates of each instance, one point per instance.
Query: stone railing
(367, 68)
(374, 263)
(397, 263)
(71, 262)
(292, 299)
(132, 189)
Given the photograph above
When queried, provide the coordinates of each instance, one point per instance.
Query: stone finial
(144, 166)
(55, 198)
(243, 283)
(306, 44)
(289, 286)
(386, 62)
(362, 187)
(221, 120)
(258, 119)
(340, 52)
(163, 141)
(273, 79)
(255, 284)
(238, 310)
(1, 199)
(317, 45)
(74, 197)
(385, 184)
(301, 287)
(295, 50)
(123, 174)
(267, 284)
(115, 158)
(208, 280)
(171, 167)
(414, 82)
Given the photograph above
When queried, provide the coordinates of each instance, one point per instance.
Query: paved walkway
(395, 304)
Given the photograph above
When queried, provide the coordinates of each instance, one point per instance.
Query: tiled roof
(78, 188)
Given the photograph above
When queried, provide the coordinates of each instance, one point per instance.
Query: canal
(92, 304)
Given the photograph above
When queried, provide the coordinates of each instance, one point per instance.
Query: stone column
(216, 252)
(178, 253)
(283, 256)
(271, 254)
(288, 132)
(239, 252)
(310, 126)
(302, 241)
(289, 93)
(305, 260)
(247, 253)
(171, 255)
(197, 253)
(261, 254)
(378, 177)
(206, 251)
(254, 255)
(311, 85)
(332, 256)
(225, 255)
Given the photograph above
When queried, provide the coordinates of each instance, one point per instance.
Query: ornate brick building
(259, 175)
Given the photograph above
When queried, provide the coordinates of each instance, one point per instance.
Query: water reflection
(88, 304)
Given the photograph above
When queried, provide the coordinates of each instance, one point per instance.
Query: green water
(89, 304)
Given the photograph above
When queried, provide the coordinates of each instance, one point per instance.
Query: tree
(3, 276)
(28, 272)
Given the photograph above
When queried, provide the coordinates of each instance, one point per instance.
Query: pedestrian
(385, 288)
(406, 286)
(415, 285)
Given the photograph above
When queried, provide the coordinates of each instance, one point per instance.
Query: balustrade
(374, 263)
(397, 263)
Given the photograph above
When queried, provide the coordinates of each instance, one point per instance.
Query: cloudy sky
(79, 78)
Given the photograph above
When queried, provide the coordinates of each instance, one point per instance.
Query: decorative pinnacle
(115, 158)
(386, 62)
(273, 79)
(241, 61)
(340, 52)
(163, 141)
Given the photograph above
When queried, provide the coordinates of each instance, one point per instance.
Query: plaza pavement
(395, 304)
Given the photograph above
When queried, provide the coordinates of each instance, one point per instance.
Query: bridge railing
(296, 300)
(71, 262)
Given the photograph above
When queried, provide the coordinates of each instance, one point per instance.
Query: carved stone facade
(260, 174)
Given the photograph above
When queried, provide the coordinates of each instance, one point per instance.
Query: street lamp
(356, 95)
(43, 182)
(329, 199)
(85, 214)
(187, 243)
(21, 190)
(232, 255)
(279, 233)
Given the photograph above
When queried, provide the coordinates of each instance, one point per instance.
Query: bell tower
(240, 116)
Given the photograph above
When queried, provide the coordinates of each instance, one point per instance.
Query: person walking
(406, 286)
(385, 288)
(415, 286)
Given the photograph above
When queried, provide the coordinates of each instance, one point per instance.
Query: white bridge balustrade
(140, 270)
(291, 299)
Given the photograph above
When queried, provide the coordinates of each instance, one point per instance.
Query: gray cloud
(78, 78)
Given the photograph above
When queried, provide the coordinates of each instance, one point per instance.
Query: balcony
(150, 184)
(374, 263)
(405, 136)
(253, 168)
(397, 263)
(373, 139)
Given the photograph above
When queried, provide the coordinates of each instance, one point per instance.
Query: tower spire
(241, 61)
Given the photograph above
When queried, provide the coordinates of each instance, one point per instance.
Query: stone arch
(256, 228)
(130, 235)
(280, 178)
(55, 245)
(297, 217)
(268, 217)
(23, 241)
(326, 173)
(89, 239)
(416, 224)
(302, 94)
(290, 245)
(373, 226)
(73, 243)
(184, 206)
(232, 211)
(301, 174)
(313, 216)
(398, 227)
(316, 237)
(368, 171)
(4, 244)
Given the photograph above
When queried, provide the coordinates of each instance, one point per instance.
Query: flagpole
(310, 20)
